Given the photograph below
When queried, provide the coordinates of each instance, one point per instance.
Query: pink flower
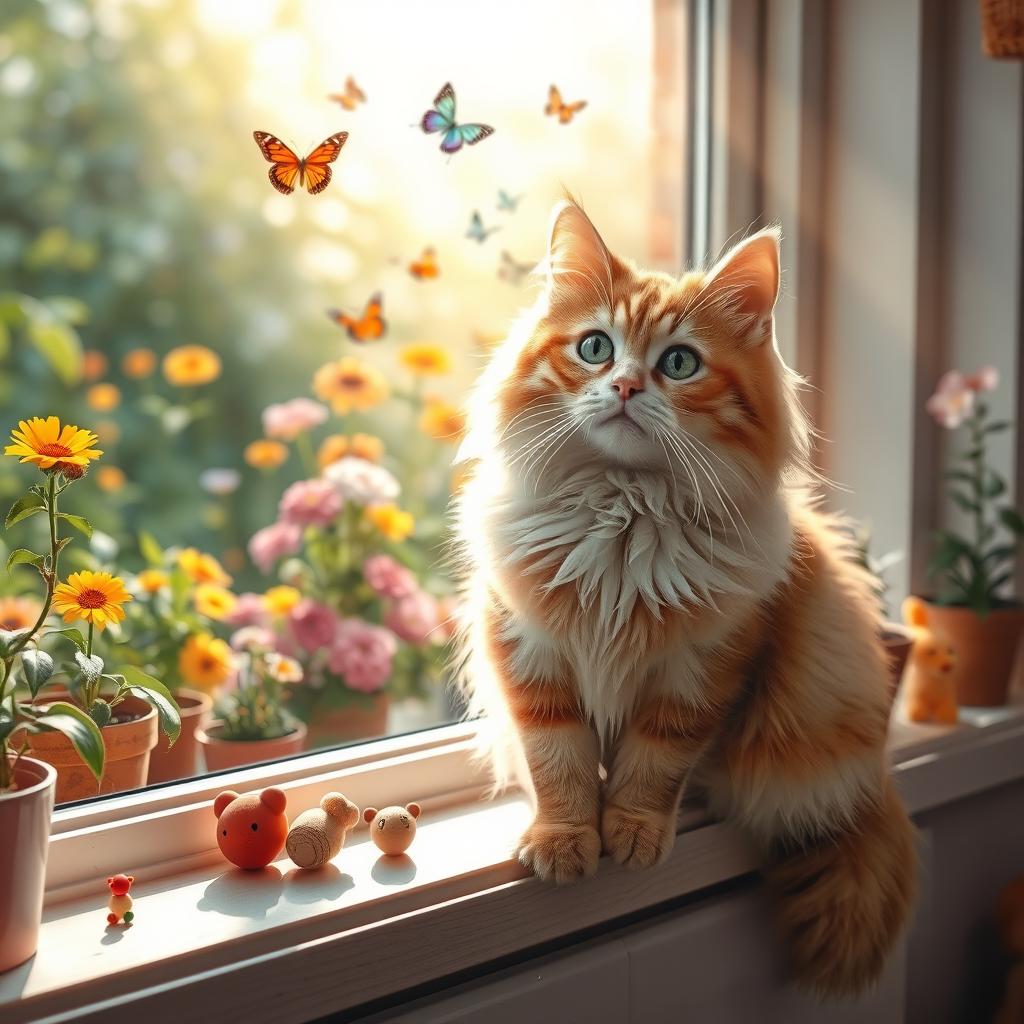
(362, 482)
(387, 578)
(984, 379)
(272, 543)
(362, 655)
(314, 625)
(413, 618)
(250, 638)
(310, 503)
(953, 400)
(287, 420)
(248, 611)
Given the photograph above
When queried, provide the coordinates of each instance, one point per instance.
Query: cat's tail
(844, 901)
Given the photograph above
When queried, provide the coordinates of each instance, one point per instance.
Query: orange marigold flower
(265, 454)
(362, 446)
(205, 661)
(153, 580)
(53, 449)
(138, 363)
(190, 365)
(214, 602)
(350, 384)
(442, 421)
(202, 568)
(18, 613)
(281, 600)
(103, 397)
(110, 479)
(424, 358)
(391, 521)
(94, 364)
(96, 597)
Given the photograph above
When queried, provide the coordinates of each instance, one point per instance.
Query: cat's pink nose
(626, 386)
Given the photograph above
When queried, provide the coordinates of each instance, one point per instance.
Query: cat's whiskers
(550, 439)
(532, 409)
(528, 447)
(684, 459)
(560, 446)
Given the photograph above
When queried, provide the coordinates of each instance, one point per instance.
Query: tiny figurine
(120, 904)
(393, 828)
(317, 835)
(251, 829)
(929, 693)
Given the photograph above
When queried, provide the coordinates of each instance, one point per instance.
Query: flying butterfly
(476, 229)
(426, 266)
(507, 202)
(441, 118)
(558, 108)
(368, 327)
(512, 270)
(351, 97)
(314, 172)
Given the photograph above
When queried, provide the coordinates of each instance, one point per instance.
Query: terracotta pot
(127, 761)
(182, 760)
(330, 727)
(220, 754)
(24, 843)
(984, 650)
(897, 641)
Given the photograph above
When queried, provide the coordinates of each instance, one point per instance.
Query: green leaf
(91, 666)
(966, 503)
(59, 345)
(80, 729)
(72, 634)
(22, 556)
(78, 522)
(10, 638)
(1012, 520)
(993, 486)
(70, 310)
(962, 475)
(37, 667)
(1000, 553)
(25, 506)
(996, 426)
(151, 550)
(154, 692)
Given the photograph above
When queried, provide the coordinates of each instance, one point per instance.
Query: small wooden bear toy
(317, 835)
(394, 828)
(120, 904)
(251, 829)
(929, 693)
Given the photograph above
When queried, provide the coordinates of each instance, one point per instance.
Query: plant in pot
(127, 705)
(972, 567)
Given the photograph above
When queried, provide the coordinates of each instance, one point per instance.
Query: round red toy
(251, 829)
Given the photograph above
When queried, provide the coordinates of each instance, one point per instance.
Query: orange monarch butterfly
(351, 97)
(426, 266)
(314, 172)
(564, 111)
(369, 327)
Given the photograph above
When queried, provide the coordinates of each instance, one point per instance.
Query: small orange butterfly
(351, 97)
(314, 173)
(426, 266)
(368, 327)
(564, 111)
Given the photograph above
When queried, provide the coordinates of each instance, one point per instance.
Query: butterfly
(314, 172)
(369, 327)
(426, 266)
(351, 97)
(507, 202)
(477, 231)
(441, 118)
(511, 270)
(564, 111)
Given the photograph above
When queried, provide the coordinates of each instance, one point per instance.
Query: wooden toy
(251, 829)
(120, 903)
(317, 835)
(929, 691)
(394, 828)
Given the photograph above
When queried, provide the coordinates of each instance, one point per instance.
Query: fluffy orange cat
(651, 590)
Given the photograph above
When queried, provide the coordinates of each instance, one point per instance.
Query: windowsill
(369, 928)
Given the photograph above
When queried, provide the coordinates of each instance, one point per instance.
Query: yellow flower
(96, 597)
(425, 359)
(190, 365)
(214, 602)
(138, 363)
(264, 454)
(362, 446)
(350, 384)
(391, 521)
(52, 449)
(18, 613)
(94, 364)
(110, 478)
(103, 397)
(202, 568)
(442, 421)
(281, 600)
(205, 661)
(153, 580)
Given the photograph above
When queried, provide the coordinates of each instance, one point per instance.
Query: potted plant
(251, 723)
(126, 705)
(973, 567)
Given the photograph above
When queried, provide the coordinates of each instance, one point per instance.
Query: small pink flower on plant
(250, 638)
(362, 482)
(413, 618)
(286, 420)
(249, 610)
(984, 379)
(314, 625)
(954, 396)
(362, 655)
(387, 578)
(310, 503)
(272, 543)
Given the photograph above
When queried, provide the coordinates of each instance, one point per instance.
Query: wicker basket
(1002, 28)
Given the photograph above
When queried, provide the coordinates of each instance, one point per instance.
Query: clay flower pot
(128, 744)
(897, 641)
(355, 722)
(984, 650)
(24, 842)
(181, 761)
(220, 753)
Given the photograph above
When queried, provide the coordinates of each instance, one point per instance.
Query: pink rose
(314, 625)
(953, 400)
(310, 503)
(287, 420)
(984, 379)
(249, 610)
(413, 618)
(387, 578)
(272, 543)
(362, 655)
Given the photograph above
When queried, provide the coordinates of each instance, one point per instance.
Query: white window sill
(287, 945)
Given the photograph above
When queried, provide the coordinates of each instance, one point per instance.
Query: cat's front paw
(638, 839)
(560, 851)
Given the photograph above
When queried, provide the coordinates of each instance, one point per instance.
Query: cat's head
(640, 369)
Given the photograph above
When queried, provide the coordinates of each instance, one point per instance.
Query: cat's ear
(746, 279)
(574, 248)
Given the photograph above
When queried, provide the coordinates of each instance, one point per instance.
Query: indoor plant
(973, 568)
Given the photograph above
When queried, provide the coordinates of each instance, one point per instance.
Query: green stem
(304, 446)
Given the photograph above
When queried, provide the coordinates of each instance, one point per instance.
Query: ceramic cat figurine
(650, 588)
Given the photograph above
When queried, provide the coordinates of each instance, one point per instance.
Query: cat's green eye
(679, 362)
(595, 347)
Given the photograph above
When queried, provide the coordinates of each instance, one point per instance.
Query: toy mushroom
(394, 828)
(317, 835)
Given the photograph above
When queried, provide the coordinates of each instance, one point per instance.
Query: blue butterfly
(507, 202)
(477, 231)
(442, 119)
